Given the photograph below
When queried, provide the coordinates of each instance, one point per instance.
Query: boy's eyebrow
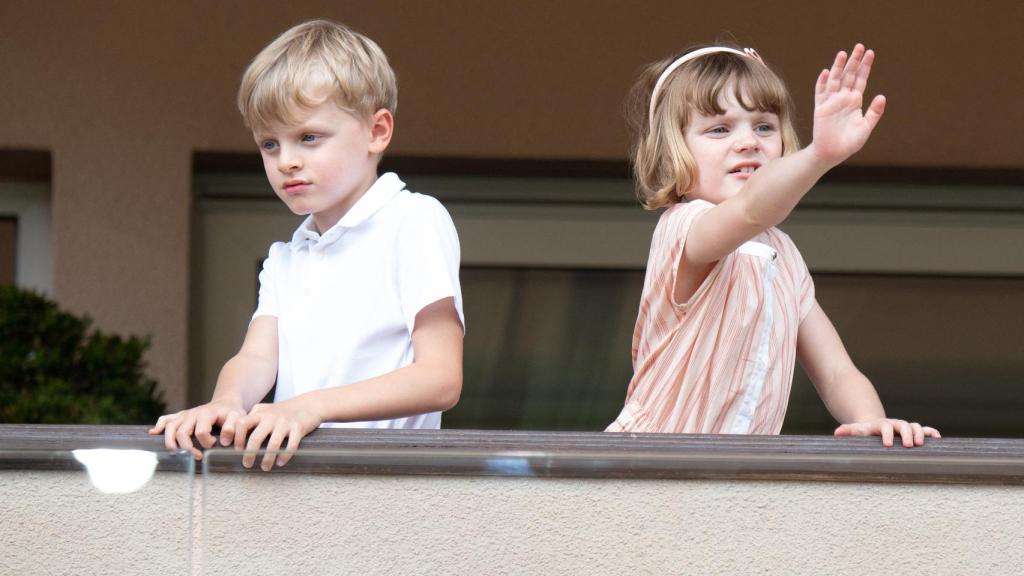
(292, 129)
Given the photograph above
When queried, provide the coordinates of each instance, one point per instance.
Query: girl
(728, 304)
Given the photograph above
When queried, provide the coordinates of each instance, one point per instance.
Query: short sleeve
(680, 230)
(800, 285)
(806, 288)
(428, 259)
(266, 304)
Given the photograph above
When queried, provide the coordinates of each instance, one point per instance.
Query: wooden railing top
(587, 454)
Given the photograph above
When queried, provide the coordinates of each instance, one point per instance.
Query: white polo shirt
(346, 301)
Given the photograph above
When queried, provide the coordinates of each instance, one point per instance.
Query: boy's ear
(382, 126)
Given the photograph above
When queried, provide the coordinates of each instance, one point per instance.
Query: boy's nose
(289, 162)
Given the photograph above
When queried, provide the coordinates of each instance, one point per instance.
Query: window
(924, 286)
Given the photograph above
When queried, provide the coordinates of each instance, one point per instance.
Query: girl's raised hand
(840, 126)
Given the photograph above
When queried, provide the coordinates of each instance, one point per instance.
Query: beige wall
(57, 522)
(457, 525)
(123, 93)
(361, 524)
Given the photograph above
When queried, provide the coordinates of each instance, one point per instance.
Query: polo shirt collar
(375, 198)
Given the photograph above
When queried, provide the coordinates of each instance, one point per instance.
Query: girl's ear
(382, 126)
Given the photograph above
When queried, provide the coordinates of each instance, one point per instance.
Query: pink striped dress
(723, 361)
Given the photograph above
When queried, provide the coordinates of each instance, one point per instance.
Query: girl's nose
(746, 141)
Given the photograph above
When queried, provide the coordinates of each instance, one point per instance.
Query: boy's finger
(183, 435)
(252, 446)
(273, 445)
(294, 437)
(227, 429)
(931, 432)
(242, 430)
(163, 421)
(159, 426)
(170, 429)
(204, 424)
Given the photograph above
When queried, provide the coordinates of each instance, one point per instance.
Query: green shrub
(55, 370)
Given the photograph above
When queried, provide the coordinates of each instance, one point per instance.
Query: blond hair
(664, 168)
(313, 62)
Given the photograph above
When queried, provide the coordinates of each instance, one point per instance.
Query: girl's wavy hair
(313, 62)
(664, 168)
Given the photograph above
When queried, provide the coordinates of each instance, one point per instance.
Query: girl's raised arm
(840, 129)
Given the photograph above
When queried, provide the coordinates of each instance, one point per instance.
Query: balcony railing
(464, 501)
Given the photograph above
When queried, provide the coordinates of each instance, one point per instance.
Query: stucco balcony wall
(475, 502)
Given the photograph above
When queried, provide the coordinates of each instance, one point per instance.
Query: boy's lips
(293, 187)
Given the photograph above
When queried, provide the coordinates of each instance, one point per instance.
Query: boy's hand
(912, 433)
(840, 126)
(178, 428)
(292, 419)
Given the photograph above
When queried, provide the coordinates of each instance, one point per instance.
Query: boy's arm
(846, 392)
(432, 382)
(771, 193)
(242, 382)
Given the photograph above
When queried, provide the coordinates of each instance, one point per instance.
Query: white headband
(748, 52)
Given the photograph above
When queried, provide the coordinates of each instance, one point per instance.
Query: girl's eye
(765, 128)
(718, 130)
(268, 145)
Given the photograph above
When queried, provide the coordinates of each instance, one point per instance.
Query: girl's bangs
(754, 86)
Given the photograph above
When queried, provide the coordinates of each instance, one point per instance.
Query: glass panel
(549, 349)
(448, 511)
(946, 352)
(96, 511)
(546, 349)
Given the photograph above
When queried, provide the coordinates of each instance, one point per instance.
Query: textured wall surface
(435, 525)
(399, 515)
(58, 523)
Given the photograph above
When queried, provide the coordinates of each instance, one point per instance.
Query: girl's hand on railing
(912, 433)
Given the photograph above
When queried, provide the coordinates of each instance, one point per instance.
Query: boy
(359, 318)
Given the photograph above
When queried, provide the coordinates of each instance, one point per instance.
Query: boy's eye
(309, 138)
(268, 145)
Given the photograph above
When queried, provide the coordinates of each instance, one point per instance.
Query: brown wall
(122, 94)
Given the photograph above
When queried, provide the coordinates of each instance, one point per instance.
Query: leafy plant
(55, 370)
